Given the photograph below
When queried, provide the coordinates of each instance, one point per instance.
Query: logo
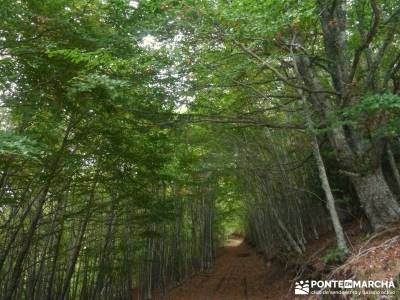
(344, 287)
(348, 284)
(302, 287)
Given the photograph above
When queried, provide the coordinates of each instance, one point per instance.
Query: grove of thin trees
(136, 136)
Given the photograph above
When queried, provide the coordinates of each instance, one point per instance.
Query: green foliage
(334, 256)
(397, 284)
(13, 145)
(343, 200)
(229, 208)
(375, 108)
(103, 175)
(374, 104)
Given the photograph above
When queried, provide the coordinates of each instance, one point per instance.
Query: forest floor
(241, 274)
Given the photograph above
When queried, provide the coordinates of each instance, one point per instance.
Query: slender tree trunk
(78, 245)
(40, 199)
(337, 226)
(14, 234)
(104, 257)
(292, 242)
(16, 275)
(329, 195)
(57, 248)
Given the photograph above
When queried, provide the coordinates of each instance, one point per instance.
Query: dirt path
(239, 274)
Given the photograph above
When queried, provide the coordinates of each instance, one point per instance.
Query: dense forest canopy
(135, 136)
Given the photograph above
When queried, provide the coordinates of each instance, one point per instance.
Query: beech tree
(136, 136)
(346, 53)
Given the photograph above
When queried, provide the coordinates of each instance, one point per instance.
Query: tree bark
(29, 237)
(393, 165)
(329, 195)
(337, 226)
(78, 245)
(361, 156)
(376, 199)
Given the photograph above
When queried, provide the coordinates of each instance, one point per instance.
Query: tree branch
(276, 71)
(370, 35)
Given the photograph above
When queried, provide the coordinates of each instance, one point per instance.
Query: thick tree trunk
(376, 198)
(393, 165)
(352, 148)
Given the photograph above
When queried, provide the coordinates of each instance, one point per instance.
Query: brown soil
(239, 274)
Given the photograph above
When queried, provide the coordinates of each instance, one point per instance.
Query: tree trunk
(376, 198)
(77, 248)
(337, 226)
(393, 165)
(28, 239)
(292, 242)
(329, 196)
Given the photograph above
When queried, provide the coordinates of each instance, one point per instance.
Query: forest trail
(239, 274)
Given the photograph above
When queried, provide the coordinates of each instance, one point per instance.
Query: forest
(137, 138)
